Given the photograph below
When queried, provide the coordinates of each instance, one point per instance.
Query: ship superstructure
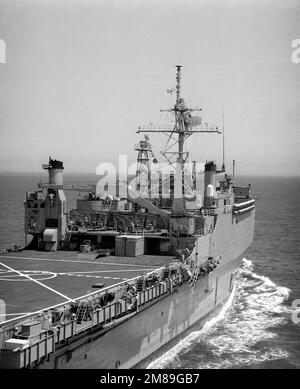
(188, 247)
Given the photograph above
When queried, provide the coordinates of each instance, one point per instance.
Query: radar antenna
(181, 131)
(183, 127)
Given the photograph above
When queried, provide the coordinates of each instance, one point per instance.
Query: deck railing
(208, 212)
(101, 316)
(37, 351)
(204, 231)
(151, 293)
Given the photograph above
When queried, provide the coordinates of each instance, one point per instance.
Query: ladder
(194, 277)
(140, 285)
(80, 313)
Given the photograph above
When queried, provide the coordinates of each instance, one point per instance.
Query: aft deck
(35, 280)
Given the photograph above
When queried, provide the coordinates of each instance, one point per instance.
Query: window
(52, 223)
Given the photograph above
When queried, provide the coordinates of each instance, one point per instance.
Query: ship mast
(178, 116)
(223, 141)
(183, 128)
(184, 125)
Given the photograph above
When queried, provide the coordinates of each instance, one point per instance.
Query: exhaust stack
(55, 170)
(209, 183)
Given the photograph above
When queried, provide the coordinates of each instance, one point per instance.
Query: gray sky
(80, 76)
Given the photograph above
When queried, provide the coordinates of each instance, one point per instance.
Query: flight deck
(34, 280)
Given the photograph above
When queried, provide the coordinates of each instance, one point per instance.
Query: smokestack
(55, 171)
(209, 183)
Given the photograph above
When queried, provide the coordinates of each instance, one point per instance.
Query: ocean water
(255, 328)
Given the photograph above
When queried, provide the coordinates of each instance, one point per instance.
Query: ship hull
(154, 327)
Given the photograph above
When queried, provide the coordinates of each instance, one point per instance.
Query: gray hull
(126, 344)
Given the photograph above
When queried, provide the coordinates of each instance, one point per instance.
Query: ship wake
(240, 335)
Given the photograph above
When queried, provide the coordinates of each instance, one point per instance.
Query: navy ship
(115, 281)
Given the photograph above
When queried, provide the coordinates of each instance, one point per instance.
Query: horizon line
(90, 173)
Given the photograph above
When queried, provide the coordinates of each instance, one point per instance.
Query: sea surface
(255, 329)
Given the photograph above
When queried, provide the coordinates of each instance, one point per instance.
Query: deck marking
(15, 314)
(66, 260)
(37, 282)
(6, 276)
(88, 276)
(62, 303)
(105, 271)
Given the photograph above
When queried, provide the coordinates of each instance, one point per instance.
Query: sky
(81, 76)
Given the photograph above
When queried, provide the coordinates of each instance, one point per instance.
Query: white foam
(235, 337)
(247, 263)
(249, 359)
(191, 338)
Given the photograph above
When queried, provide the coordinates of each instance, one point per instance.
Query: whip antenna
(223, 165)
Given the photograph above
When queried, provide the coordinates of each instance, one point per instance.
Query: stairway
(67, 240)
(80, 313)
(194, 277)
